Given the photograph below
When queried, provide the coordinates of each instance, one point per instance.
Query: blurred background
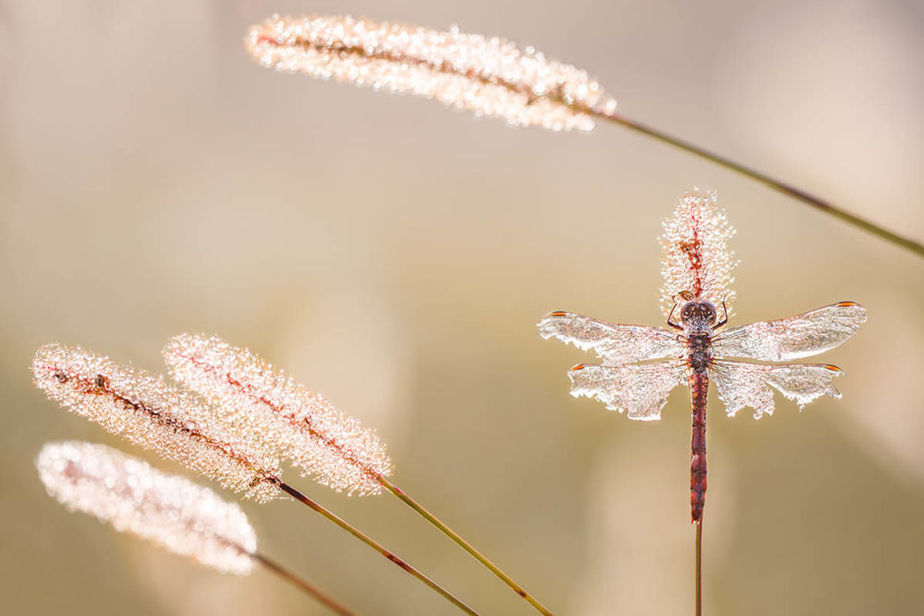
(396, 256)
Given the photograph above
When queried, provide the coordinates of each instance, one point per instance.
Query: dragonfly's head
(698, 313)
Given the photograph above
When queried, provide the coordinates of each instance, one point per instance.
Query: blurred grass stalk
(168, 510)
(487, 76)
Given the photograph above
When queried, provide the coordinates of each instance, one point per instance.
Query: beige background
(396, 256)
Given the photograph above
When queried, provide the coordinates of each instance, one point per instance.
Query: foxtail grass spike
(301, 426)
(168, 510)
(135, 498)
(288, 419)
(177, 425)
(697, 262)
(487, 76)
(147, 412)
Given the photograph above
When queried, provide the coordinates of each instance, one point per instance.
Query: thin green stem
(463, 543)
(311, 590)
(787, 189)
(302, 498)
(699, 568)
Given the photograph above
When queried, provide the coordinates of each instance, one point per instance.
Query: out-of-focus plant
(487, 76)
(179, 426)
(168, 510)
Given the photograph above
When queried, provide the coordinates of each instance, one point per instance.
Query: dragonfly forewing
(793, 338)
(639, 390)
(614, 343)
(742, 384)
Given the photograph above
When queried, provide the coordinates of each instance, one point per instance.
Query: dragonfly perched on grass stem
(641, 365)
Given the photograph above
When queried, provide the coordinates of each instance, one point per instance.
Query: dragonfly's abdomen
(699, 384)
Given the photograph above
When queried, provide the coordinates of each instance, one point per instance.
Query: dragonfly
(641, 365)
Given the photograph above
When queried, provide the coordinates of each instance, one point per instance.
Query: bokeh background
(396, 255)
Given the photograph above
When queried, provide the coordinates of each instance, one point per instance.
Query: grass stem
(311, 590)
(699, 568)
(787, 189)
(481, 558)
(305, 500)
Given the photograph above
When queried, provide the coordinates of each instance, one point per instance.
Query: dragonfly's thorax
(699, 344)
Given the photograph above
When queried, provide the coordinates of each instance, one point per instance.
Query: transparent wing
(799, 336)
(640, 390)
(616, 344)
(741, 384)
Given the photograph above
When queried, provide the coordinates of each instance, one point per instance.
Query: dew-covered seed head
(135, 498)
(488, 76)
(143, 409)
(287, 418)
(697, 263)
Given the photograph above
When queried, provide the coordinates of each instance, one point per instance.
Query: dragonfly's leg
(724, 316)
(671, 323)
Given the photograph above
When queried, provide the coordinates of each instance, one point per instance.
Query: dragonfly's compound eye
(700, 312)
(709, 313)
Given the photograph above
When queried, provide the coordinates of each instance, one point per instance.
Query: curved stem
(699, 568)
(463, 543)
(311, 590)
(302, 498)
(787, 189)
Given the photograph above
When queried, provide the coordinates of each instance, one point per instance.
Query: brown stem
(699, 568)
(313, 591)
(302, 498)
(787, 189)
(463, 543)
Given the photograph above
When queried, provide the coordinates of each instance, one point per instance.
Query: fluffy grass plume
(145, 410)
(697, 262)
(288, 418)
(487, 76)
(135, 498)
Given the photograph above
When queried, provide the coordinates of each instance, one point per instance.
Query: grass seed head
(145, 410)
(487, 76)
(135, 498)
(289, 419)
(697, 262)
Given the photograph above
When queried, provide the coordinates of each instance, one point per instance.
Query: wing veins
(795, 337)
(614, 343)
